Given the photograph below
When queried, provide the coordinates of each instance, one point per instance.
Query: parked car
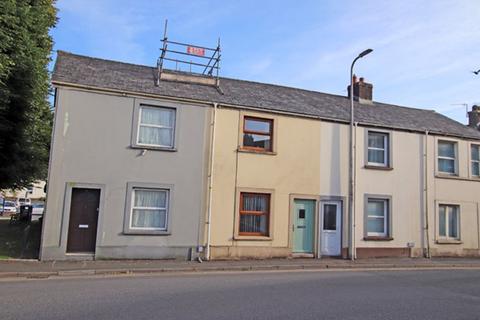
(9, 208)
(37, 211)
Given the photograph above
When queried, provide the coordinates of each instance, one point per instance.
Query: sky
(424, 51)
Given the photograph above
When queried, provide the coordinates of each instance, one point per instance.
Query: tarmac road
(418, 294)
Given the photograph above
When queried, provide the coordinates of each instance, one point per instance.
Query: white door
(330, 228)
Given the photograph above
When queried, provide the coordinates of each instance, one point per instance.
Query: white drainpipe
(210, 183)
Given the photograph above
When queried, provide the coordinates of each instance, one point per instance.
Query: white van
(23, 201)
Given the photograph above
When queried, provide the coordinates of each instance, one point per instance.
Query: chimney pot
(474, 117)
(362, 91)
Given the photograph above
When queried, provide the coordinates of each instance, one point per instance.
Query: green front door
(303, 228)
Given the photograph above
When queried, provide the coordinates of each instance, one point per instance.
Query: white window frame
(167, 196)
(455, 161)
(447, 212)
(385, 217)
(385, 149)
(472, 161)
(128, 229)
(140, 124)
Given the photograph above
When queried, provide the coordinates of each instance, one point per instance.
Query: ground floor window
(149, 209)
(377, 217)
(254, 214)
(448, 221)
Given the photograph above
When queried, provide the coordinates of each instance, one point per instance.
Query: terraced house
(182, 165)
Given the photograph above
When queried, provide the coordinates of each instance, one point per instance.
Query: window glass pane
(446, 149)
(453, 223)
(376, 140)
(257, 141)
(442, 222)
(445, 165)
(150, 199)
(158, 116)
(376, 225)
(376, 208)
(253, 223)
(475, 169)
(257, 125)
(376, 156)
(255, 203)
(149, 218)
(475, 152)
(155, 136)
(329, 217)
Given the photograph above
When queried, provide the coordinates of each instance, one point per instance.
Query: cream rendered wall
(293, 169)
(312, 159)
(462, 190)
(404, 184)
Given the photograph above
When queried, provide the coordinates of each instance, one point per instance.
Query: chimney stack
(474, 117)
(362, 91)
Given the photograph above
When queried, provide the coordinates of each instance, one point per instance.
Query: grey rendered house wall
(93, 147)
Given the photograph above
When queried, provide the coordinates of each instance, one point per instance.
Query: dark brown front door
(82, 229)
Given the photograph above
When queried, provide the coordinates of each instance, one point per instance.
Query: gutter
(210, 182)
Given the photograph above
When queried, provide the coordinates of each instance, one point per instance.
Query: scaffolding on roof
(198, 60)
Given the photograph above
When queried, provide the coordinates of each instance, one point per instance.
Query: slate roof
(93, 72)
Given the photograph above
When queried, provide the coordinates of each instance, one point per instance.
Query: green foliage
(25, 115)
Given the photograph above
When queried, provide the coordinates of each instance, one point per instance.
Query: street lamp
(351, 186)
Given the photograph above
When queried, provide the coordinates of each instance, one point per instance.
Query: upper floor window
(254, 214)
(156, 127)
(448, 221)
(257, 133)
(447, 157)
(475, 159)
(378, 146)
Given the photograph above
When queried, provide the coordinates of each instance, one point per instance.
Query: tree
(25, 114)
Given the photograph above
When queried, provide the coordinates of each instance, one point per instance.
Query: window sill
(246, 150)
(447, 241)
(455, 177)
(369, 166)
(140, 147)
(252, 238)
(146, 233)
(372, 238)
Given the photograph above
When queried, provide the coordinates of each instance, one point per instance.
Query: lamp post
(351, 185)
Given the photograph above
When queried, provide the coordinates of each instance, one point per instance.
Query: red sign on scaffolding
(196, 51)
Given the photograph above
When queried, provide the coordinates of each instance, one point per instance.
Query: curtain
(376, 147)
(442, 222)
(446, 165)
(149, 209)
(156, 126)
(446, 149)
(376, 217)
(254, 223)
(155, 136)
(158, 116)
(452, 223)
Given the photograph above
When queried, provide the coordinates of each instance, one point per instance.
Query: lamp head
(364, 53)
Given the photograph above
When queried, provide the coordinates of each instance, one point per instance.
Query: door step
(303, 255)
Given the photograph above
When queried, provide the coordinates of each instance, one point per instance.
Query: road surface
(452, 294)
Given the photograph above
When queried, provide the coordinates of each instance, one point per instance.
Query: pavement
(282, 295)
(38, 269)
